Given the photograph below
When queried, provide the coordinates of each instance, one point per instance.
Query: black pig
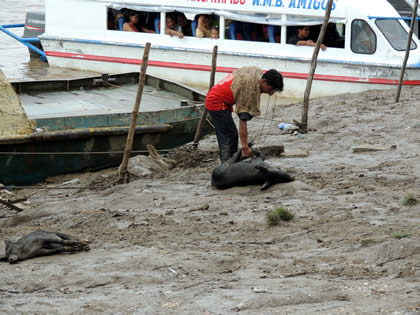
(237, 172)
(41, 243)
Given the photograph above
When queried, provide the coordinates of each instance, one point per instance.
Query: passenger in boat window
(173, 29)
(363, 38)
(272, 33)
(242, 88)
(120, 19)
(301, 38)
(184, 23)
(133, 19)
(146, 22)
(214, 32)
(332, 37)
(203, 27)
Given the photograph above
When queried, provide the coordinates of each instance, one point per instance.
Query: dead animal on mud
(251, 171)
(42, 243)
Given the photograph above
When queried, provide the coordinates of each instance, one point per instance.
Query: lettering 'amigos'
(310, 4)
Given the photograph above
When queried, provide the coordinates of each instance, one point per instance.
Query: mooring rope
(265, 118)
(56, 188)
(76, 153)
(263, 135)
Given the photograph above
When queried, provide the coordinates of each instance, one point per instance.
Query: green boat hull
(33, 161)
(78, 143)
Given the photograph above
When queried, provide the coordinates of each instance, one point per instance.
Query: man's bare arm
(309, 43)
(243, 136)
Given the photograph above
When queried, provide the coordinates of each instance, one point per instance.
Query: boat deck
(98, 101)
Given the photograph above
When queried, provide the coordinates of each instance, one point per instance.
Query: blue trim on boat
(391, 18)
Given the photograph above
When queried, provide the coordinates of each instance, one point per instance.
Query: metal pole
(304, 123)
(122, 170)
(407, 51)
(24, 41)
(211, 84)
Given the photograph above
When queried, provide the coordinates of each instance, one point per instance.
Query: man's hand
(247, 152)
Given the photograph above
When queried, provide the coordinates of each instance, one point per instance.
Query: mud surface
(172, 244)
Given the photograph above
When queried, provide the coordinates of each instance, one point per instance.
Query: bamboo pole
(304, 124)
(211, 84)
(407, 51)
(10, 205)
(122, 170)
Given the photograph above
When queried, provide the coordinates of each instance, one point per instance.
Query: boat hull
(31, 160)
(78, 142)
(191, 67)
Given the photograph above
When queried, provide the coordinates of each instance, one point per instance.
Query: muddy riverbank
(172, 244)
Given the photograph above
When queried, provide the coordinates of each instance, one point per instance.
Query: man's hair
(274, 79)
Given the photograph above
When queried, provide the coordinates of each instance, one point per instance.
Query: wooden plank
(10, 205)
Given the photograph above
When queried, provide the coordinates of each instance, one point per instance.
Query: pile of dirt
(189, 156)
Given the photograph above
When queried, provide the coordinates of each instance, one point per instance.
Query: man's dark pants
(226, 132)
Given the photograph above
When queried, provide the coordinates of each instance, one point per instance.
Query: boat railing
(24, 40)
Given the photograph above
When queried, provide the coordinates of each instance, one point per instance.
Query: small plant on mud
(409, 200)
(280, 214)
(400, 235)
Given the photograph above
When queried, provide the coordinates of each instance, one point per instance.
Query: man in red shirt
(243, 87)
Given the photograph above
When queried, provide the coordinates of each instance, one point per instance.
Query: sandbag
(13, 119)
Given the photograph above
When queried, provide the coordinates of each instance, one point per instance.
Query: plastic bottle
(283, 126)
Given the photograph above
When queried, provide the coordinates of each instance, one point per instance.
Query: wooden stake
(10, 205)
(211, 84)
(304, 124)
(407, 51)
(122, 170)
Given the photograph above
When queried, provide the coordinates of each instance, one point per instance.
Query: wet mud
(170, 243)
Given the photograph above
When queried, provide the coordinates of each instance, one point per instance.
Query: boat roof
(309, 8)
(404, 7)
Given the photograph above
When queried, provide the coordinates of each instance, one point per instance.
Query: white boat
(78, 35)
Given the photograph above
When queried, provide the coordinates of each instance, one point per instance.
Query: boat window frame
(163, 24)
(389, 41)
(352, 40)
(109, 9)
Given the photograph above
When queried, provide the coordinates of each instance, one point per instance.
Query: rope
(265, 118)
(75, 153)
(273, 110)
(211, 124)
(52, 188)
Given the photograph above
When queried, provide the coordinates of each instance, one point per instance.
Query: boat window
(132, 21)
(176, 24)
(182, 24)
(334, 36)
(395, 34)
(206, 26)
(237, 30)
(363, 38)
